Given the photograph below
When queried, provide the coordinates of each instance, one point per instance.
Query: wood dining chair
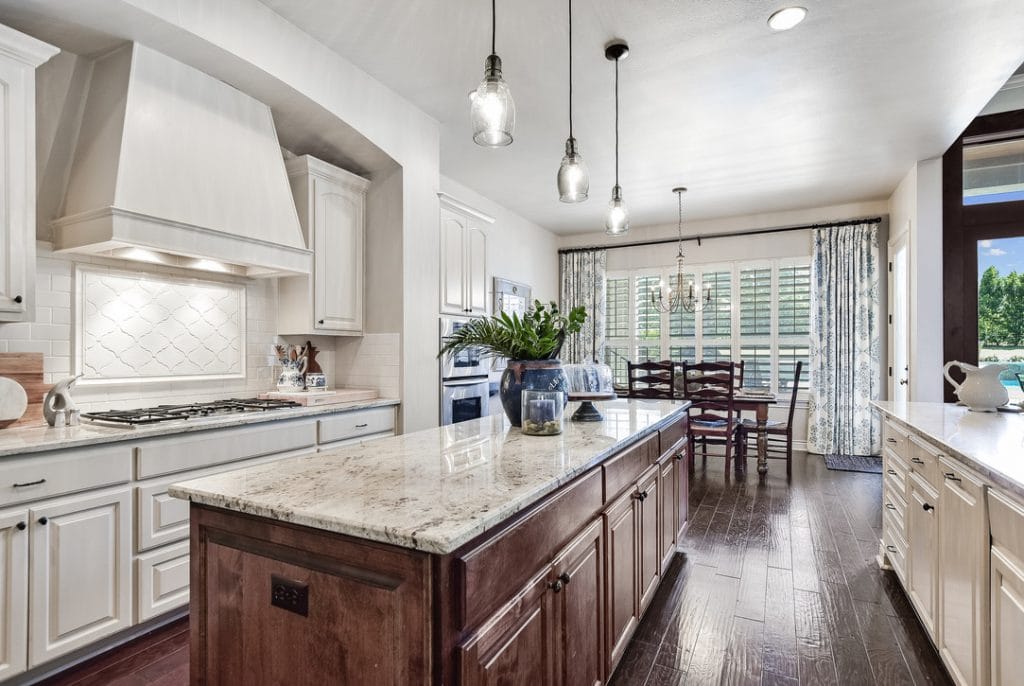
(650, 379)
(780, 434)
(710, 387)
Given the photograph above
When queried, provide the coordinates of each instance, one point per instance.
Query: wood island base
(551, 596)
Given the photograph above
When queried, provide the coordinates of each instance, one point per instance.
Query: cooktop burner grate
(165, 413)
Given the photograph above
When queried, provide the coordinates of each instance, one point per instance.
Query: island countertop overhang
(991, 443)
(431, 490)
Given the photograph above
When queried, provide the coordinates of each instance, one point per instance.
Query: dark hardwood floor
(778, 585)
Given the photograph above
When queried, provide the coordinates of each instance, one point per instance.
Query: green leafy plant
(537, 335)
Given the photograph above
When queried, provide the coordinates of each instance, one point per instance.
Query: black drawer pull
(917, 460)
(951, 476)
(927, 507)
(29, 483)
(890, 506)
(361, 426)
(890, 440)
(891, 548)
(891, 471)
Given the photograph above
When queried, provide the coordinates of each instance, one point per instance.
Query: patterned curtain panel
(583, 277)
(844, 349)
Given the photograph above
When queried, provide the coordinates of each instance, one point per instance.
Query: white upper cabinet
(463, 258)
(331, 205)
(19, 57)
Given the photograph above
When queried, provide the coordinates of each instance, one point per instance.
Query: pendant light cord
(616, 121)
(570, 68)
(679, 193)
(494, 24)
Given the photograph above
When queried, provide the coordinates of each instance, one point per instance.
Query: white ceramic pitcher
(981, 391)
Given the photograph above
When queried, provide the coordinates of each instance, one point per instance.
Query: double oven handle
(464, 382)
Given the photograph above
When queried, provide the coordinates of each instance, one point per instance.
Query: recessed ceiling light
(787, 18)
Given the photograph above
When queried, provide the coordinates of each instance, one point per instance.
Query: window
(1001, 309)
(993, 170)
(760, 313)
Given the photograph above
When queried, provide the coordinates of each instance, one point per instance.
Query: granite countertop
(431, 490)
(24, 440)
(990, 443)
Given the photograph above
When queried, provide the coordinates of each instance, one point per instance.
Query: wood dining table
(758, 403)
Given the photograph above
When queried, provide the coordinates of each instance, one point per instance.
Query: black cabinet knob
(320, 322)
(18, 299)
(21, 526)
(43, 520)
(556, 585)
(638, 496)
(927, 507)
(565, 578)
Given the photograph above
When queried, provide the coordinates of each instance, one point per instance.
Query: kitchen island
(466, 554)
(953, 532)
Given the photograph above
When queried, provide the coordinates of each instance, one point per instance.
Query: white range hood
(175, 167)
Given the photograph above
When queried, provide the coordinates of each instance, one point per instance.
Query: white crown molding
(459, 206)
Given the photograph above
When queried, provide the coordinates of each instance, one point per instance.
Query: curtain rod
(730, 234)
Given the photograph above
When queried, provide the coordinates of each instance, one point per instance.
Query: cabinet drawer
(162, 581)
(896, 550)
(324, 447)
(207, 448)
(622, 471)
(895, 476)
(356, 423)
(924, 461)
(163, 519)
(1006, 522)
(76, 469)
(895, 438)
(507, 560)
(673, 434)
(895, 510)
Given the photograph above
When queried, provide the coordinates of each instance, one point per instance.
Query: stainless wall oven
(464, 399)
(464, 384)
(468, 362)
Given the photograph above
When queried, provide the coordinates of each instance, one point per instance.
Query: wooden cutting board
(318, 398)
(27, 370)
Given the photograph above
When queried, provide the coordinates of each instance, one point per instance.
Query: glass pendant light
(573, 175)
(617, 221)
(492, 110)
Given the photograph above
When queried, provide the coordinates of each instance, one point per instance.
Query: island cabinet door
(922, 549)
(1006, 517)
(620, 522)
(516, 645)
(578, 592)
(963, 576)
(682, 475)
(649, 536)
(668, 504)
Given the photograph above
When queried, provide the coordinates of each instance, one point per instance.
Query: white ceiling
(836, 110)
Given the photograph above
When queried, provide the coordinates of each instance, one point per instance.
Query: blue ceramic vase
(536, 375)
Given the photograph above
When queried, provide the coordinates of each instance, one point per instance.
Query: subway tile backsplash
(371, 361)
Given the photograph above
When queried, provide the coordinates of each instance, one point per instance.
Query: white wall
(517, 249)
(916, 208)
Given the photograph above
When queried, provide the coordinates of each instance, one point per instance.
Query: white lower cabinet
(162, 578)
(1006, 518)
(963, 576)
(92, 544)
(13, 592)
(922, 549)
(80, 565)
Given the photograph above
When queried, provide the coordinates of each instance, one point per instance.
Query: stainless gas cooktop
(167, 413)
